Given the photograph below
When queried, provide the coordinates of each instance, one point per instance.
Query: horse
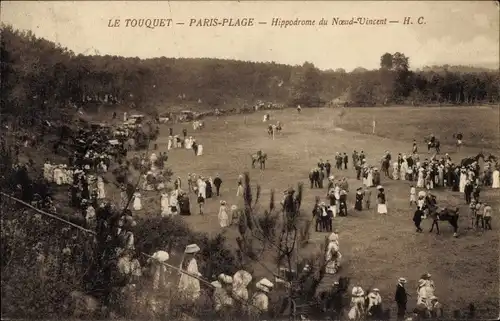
(469, 160)
(261, 158)
(433, 143)
(448, 215)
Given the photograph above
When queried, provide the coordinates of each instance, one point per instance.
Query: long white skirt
(200, 150)
(496, 180)
(382, 208)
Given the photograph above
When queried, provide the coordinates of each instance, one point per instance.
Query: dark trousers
(436, 224)
(487, 222)
(345, 165)
(401, 311)
(467, 198)
(217, 190)
(417, 225)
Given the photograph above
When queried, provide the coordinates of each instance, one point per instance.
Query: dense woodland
(39, 75)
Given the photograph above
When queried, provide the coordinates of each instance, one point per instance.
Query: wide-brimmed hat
(242, 277)
(376, 290)
(222, 202)
(216, 284)
(333, 237)
(160, 256)
(380, 187)
(402, 280)
(264, 285)
(434, 298)
(192, 248)
(225, 279)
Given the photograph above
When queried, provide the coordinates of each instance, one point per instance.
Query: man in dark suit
(401, 298)
(346, 160)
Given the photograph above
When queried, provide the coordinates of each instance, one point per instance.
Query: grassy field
(376, 249)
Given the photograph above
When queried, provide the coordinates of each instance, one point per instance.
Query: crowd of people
(94, 157)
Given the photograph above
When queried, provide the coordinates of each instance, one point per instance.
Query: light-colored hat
(216, 284)
(331, 177)
(242, 277)
(402, 280)
(226, 279)
(333, 237)
(264, 285)
(376, 290)
(192, 248)
(434, 298)
(222, 202)
(357, 291)
(234, 207)
(379, 187)
(160, 256)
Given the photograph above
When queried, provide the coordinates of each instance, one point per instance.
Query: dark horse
(469, 160)
(449, 215)
(433, 143)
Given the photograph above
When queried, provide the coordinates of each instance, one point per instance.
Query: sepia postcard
(250, 160)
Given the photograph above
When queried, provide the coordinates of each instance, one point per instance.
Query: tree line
(39, 76)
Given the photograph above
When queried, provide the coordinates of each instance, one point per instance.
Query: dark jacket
(217, 182)
(401, 297)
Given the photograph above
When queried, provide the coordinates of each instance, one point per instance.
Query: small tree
(258, 238)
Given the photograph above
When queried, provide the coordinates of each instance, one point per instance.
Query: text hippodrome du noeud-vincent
(153, 23)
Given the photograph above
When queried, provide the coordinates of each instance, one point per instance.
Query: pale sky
(456, 32)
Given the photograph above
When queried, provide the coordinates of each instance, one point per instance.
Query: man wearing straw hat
(401, 298)
(189, 285)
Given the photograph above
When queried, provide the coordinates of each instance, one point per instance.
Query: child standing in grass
(413, 195)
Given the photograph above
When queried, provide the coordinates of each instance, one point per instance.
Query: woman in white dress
(58, 176)
(241, 280)
(223, 217)
(174, 202)
(381, 199)
(47, 169)
(395, 171)
(165, 205)
(200, 150)
(169, 144)
(404, 169)
(420, 178)
(189, 285)
(369, 178)
(137, 202)
(496, 179)
(463, 181)
(333, 255)
(100, 188)
(260, 300)
(202, 188)
(159, 270)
